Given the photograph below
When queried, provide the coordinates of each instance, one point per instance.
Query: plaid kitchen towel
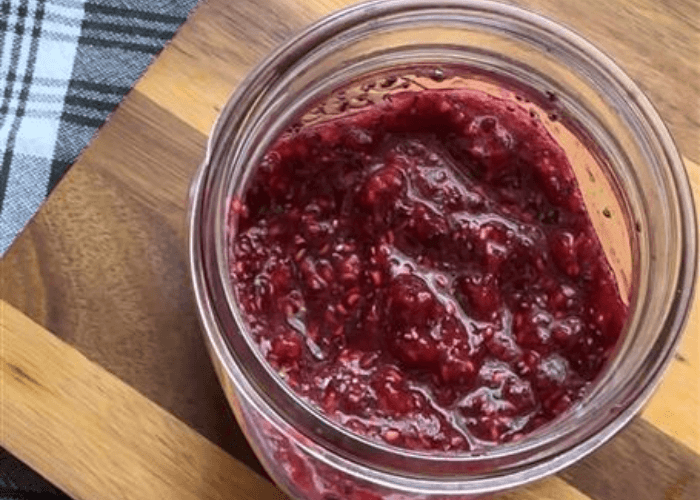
(65, 65)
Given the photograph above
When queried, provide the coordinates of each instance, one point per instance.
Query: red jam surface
(425, 272)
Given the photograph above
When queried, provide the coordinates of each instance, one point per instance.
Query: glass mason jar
(629, 172)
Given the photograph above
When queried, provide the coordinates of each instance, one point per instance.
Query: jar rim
(210, 308)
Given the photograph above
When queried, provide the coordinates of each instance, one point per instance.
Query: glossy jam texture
(425, 272)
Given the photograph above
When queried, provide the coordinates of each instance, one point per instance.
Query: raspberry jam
(424, 270)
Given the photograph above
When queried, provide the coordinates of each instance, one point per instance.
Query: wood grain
(96, 437)
(113, 271)
(641, 463)
(102, 265)
(552, 488)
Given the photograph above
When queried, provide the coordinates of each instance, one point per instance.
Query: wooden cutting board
(106, 388)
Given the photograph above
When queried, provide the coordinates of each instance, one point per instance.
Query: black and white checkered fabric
(65, 65)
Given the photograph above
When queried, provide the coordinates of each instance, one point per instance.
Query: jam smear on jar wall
(424, 270)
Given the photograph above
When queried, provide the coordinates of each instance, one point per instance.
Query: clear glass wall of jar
(633, 163)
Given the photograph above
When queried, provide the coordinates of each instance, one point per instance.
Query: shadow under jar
(629, 175)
